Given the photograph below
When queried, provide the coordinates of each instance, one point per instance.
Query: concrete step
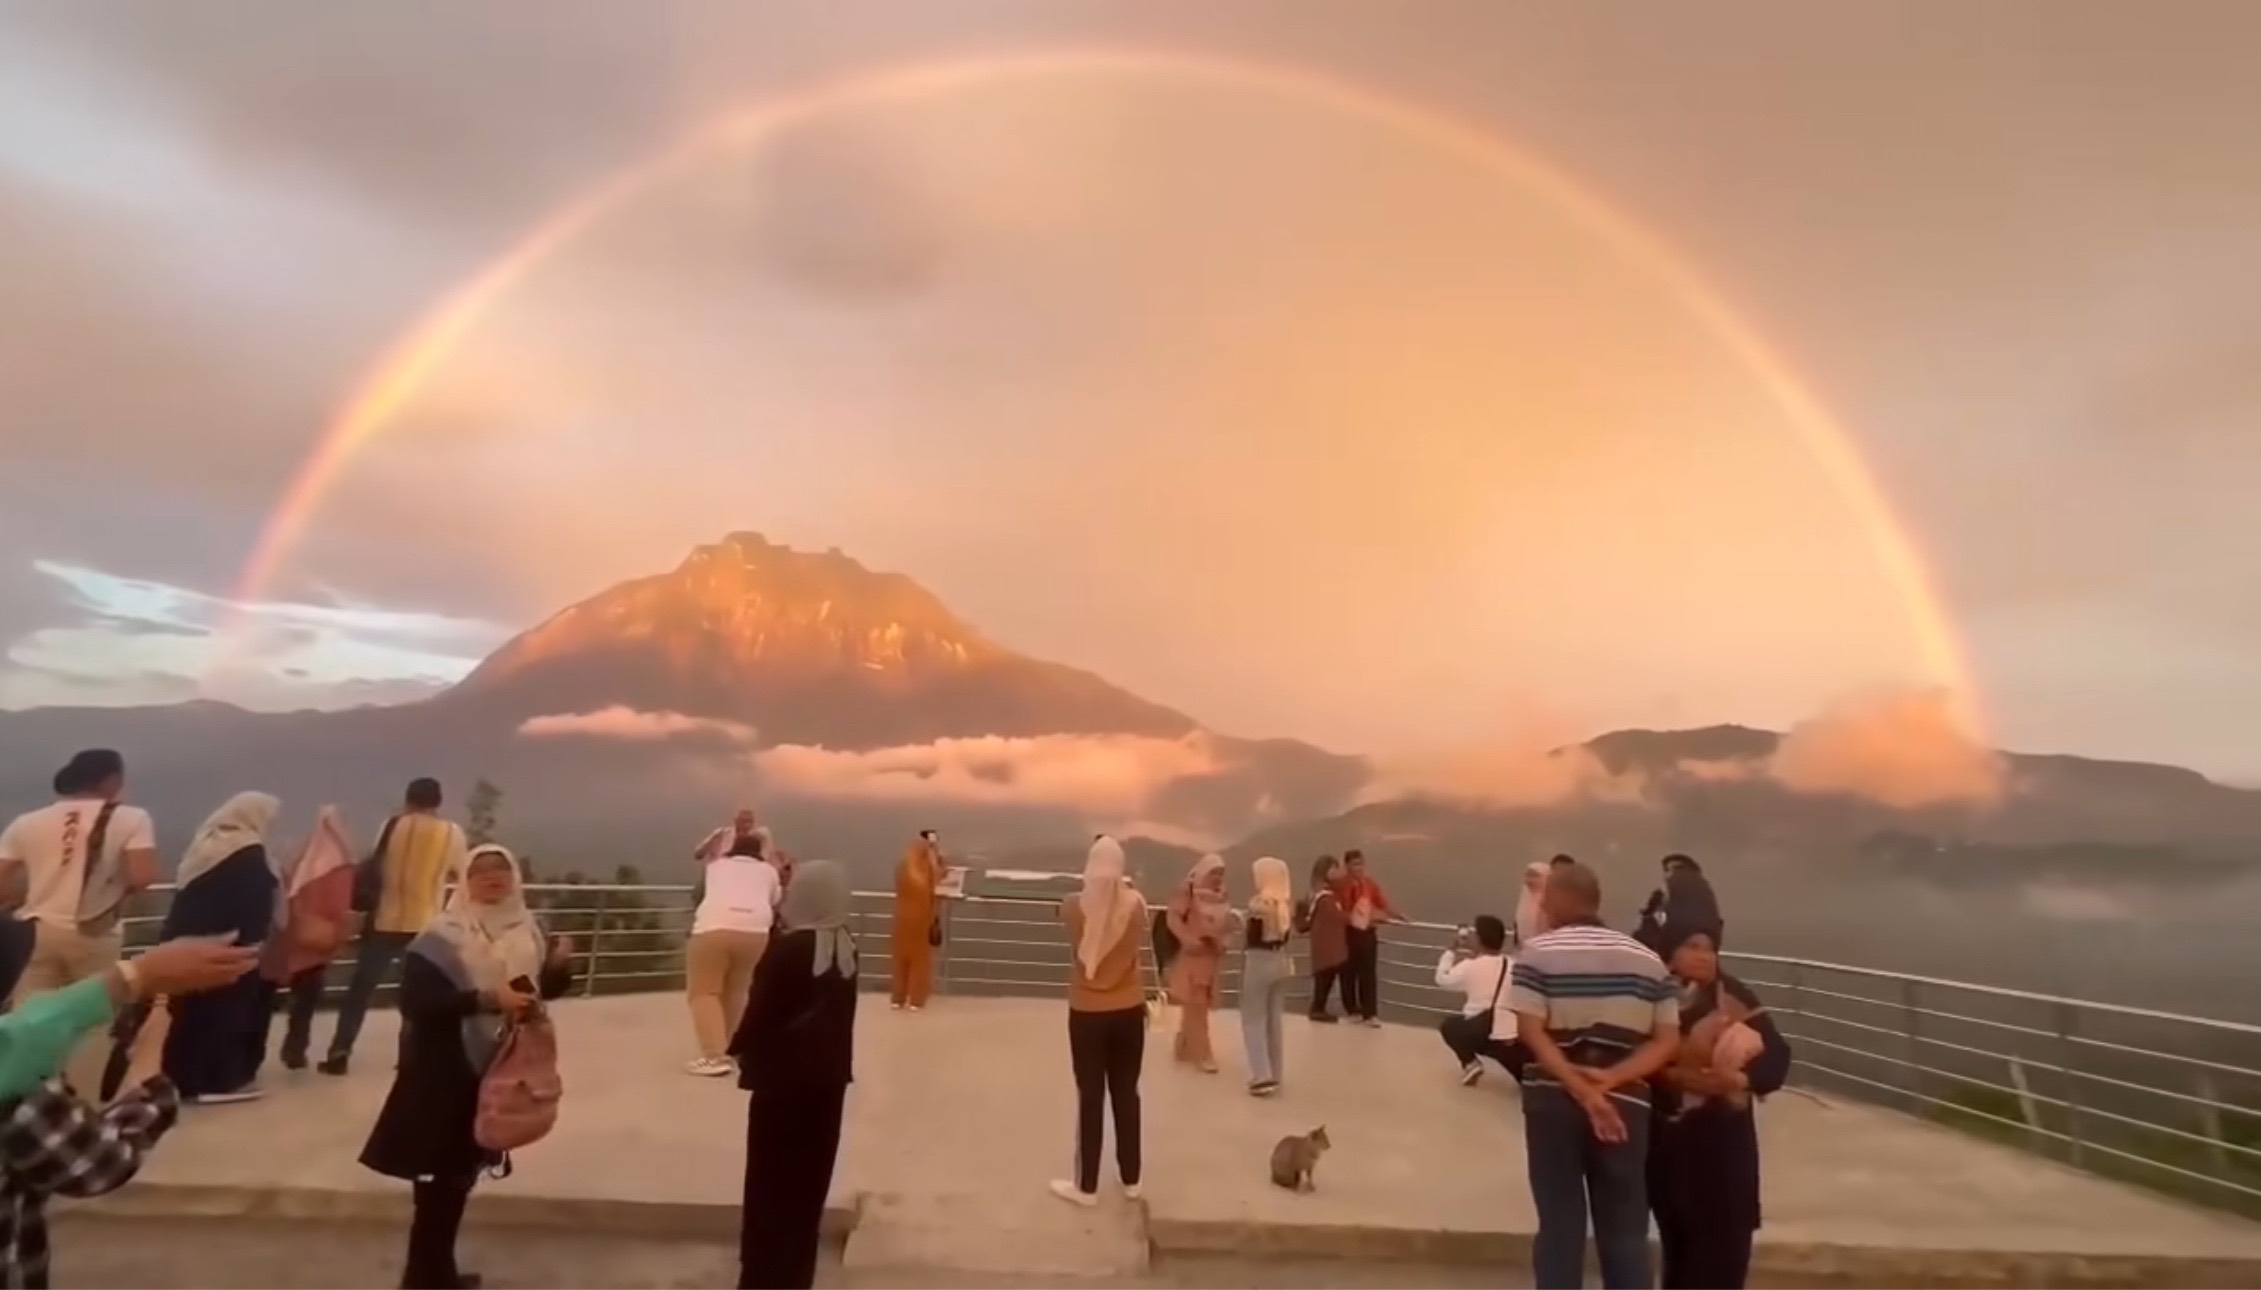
(1027, 1231)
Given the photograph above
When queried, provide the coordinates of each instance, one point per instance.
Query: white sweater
(1481, 979)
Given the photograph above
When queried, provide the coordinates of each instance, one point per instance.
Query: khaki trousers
(62, 955)
(718, 969)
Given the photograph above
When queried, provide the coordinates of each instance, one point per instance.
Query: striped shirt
(1601, 995)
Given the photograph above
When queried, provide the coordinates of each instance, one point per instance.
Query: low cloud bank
(1105, 777)
(621, 722)
(1905, 749)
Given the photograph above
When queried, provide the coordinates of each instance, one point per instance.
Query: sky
(1260, 406)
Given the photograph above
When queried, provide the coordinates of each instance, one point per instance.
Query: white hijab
(480, 946)
(242, 821)
(1109, 904)
(1529, 920)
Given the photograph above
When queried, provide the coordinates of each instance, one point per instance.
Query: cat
(1295, 1158)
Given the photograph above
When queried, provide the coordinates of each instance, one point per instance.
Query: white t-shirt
(50, 843)
(742, 895)
(1480, 978)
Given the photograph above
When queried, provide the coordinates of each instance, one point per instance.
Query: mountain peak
(802, 645)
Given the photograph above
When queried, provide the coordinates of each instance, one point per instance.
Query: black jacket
(425, 1127)
(799, 1031)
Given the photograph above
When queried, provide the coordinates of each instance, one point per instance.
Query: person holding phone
(54, 1142)
(481, 962)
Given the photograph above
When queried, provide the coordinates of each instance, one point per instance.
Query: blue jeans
(1264, 978)
(373, 959)
(1573, 1171)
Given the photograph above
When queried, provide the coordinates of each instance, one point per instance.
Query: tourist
(479, 963)
(1106, 1020)
(1201, 920)
(225, 888)
(1683, 899)
(1329, 929)
(1476, 965)
(52, 1142)
(730, 932)
(918, 923)
(1265, 972)
(400, 887)
(81, 856)
(796, 1054)
(1704, 1139)
(311, 926)
(1598, 1014)
(1530, 908)
(719, 843)
(1369, 908)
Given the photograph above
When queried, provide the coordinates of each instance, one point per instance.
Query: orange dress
(916, 908)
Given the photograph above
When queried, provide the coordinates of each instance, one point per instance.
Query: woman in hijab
(1703, 1133)
(917, 931)
(1530, 919)
(1265, 970)
(1201, 920)
(1106, 1020)
(795, 1050)
(226, 888)
(311, 922)
(1328, 926)
(482, 961)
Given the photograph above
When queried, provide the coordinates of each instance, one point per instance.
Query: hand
(512, 1001)
(191, 966)
(1603, 1117)
(562, 950)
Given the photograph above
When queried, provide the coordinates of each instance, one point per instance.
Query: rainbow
(418, 353)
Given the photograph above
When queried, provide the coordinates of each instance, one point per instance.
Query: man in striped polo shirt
(1598, 1012)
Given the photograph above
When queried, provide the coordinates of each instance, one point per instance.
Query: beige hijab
(1110, 905)
(1274, 901)
(242, 821)
(1529, 920)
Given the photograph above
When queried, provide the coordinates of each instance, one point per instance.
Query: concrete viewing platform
(963, 1112)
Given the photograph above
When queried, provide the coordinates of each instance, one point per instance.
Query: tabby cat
(1296, 1156)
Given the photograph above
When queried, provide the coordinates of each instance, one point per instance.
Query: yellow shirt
(424, 854)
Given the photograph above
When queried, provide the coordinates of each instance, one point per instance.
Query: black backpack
(369, 875)
(1165, 941)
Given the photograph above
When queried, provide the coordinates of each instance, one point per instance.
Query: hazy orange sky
(1255, 407)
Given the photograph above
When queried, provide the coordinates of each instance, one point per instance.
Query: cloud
(139, 640)
(1109, 777)
(622, 722)
(1513, 775)
(1904, 749)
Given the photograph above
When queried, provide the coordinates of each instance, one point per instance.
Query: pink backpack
(518, 1095)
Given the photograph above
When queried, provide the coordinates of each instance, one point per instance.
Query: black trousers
(1701, 1257)
(432, 1228)
(1107, 1049)
(304, 993)
(792, 1143)
(1510, 1056)
(1361, 976)
(1323, 985)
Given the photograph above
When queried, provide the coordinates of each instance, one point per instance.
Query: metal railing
(2168, 1101)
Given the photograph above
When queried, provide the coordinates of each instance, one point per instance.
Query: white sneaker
(248, 1093)
(894, 1007)
(1073, 1194)
(1375, 1022)
(1472, 1072)
(918, 1007)
(1132, 1191)
(710, 1067)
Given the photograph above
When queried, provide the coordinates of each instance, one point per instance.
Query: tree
(481, 806)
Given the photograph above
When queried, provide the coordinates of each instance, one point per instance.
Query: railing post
(2210, 1123)
(944, 911)
(2068, 1021)
(596, 947)
(1914, 1059)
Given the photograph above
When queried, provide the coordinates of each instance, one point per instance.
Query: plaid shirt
(53, 1144)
